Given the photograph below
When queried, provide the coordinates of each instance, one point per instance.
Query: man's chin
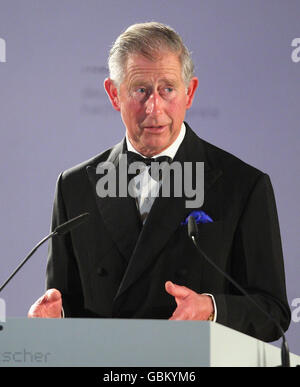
(152, 148)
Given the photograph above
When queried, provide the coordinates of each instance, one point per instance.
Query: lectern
(130, 343)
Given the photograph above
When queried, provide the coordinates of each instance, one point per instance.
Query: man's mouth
(155, 128)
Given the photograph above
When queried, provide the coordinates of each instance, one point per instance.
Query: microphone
(193, 234)
(70, 224)
(59, 230)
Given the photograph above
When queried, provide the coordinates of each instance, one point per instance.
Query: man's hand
(47, 306)
(190, 305)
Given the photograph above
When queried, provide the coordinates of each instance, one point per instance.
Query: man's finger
(51, 295)
(177, 290)
(179, 315)
(47, 306)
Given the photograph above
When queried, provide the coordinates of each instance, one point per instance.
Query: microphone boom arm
(193, 233)
(26, 259)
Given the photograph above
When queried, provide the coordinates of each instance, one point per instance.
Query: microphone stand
(193, 234)
(59, 230)
(26, 259)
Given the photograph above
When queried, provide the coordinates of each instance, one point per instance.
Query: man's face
(152, 99)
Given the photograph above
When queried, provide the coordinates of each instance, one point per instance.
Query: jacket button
(101, 271)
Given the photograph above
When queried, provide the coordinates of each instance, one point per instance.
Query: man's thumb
(51, 295)
(177, 290)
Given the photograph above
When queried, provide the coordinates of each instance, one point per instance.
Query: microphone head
(70, 224)
(192, 227)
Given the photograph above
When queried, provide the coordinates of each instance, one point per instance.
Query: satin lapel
(166, 214)
(119, 214)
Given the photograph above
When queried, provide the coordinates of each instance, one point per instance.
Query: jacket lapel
(119, 214)
(166, 214)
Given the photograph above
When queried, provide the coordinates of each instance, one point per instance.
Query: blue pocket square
(200, 217)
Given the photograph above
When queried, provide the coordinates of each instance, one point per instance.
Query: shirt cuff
(215, 306)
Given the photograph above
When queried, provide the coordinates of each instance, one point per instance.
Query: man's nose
(154, 104)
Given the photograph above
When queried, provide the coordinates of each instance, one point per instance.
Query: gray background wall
(54, 112)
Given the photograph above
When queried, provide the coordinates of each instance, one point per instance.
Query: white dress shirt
(146, 188)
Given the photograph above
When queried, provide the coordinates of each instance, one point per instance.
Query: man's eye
(141, 90)
(167, 91)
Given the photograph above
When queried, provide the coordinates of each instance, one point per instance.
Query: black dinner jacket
(112, 266)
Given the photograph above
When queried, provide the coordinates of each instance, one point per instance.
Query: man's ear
(191, 91)
(112, 93)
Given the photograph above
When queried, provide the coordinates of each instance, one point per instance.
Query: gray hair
(148, 39)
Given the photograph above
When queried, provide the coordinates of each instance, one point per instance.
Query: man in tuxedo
(133, 258)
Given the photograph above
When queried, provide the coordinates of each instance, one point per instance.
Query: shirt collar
(170, 151)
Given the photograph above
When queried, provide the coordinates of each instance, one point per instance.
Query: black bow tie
(134, 157)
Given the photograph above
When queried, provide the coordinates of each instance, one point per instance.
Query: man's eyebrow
(139, 82)
(169, 81)
(143, 82)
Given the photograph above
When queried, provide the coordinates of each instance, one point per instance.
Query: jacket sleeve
(257, 265)
(62, 272)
